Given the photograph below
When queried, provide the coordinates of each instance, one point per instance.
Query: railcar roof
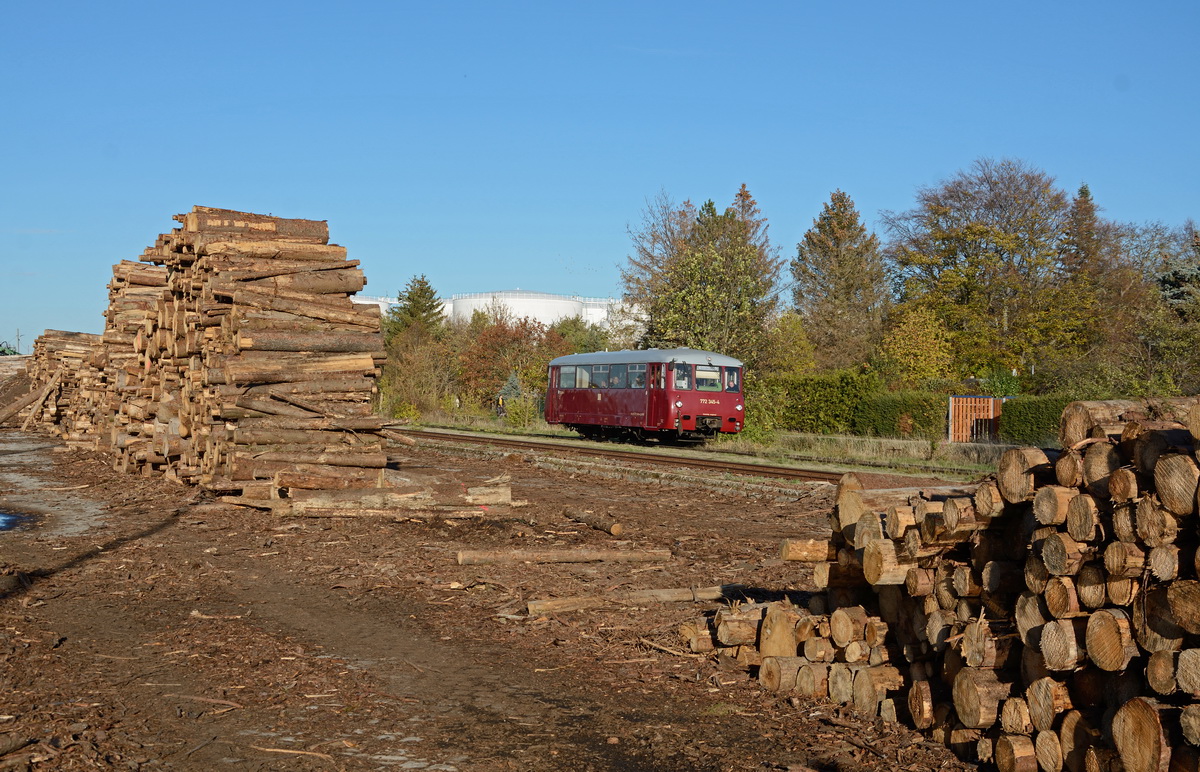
(689, 356)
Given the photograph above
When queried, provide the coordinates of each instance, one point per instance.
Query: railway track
(640, 457)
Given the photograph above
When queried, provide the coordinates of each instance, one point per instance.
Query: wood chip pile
(1047, 617)
(232, 357)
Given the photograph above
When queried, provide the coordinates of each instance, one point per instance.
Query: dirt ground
(144, 625)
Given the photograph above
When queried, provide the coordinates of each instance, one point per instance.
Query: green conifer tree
(841, 287)
(417, 306)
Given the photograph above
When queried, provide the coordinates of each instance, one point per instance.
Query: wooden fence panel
(974, 419)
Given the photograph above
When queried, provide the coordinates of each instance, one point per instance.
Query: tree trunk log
(807, 550)
(635, 597)
(871, 686)
(1109, 639)
(1016, 753)
(1189, 722)
(326, 342)
(841, 682)
(1062, 601)
(977, 696)
(812, 680)
(1022, 471)
(1141, 739)
(1155, 524)
(1050, 504)
(1099, 462)
(778, 674)
(1175, 480)
(1078, 418)
(1123, 559)
(778, 635)
(1090, 585)
(1014, 716)
(988, 501)
(1062, 643)
(1063, 555)
(881, 565)
(1184, 600)
(1187, 671)
(1083, 518)
(1123, 485)
(1160, 672)
(597, 520)
(485, 557)
(1154, 622)
(1068, 469)
(848, 624)
(1046, 698)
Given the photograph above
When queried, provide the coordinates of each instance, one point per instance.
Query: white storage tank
(540, 306)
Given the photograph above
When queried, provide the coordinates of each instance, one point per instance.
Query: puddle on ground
(9, 521)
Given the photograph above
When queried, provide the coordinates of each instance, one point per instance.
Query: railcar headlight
(737, 407)
(679, 403)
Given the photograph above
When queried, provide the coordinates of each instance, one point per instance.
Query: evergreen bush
(825, 403)
(1032, 420)
(905, 414)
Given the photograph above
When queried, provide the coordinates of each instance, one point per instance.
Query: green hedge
(919, 414)
(826, 403)
(1032, 420)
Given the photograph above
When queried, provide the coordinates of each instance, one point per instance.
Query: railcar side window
(683, 376)
(566, 377)
(733, 380)
(637, 376)
(599, 376)
(708, 378)
(583, 377)
(616, 377)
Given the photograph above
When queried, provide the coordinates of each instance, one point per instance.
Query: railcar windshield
(683, 376)
(708, 378)
(733, 379)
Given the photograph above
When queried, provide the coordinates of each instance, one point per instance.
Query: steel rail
(641, 457)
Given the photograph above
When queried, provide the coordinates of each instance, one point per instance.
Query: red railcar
(679, 394)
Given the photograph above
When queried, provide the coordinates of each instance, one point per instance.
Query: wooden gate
(974, 419)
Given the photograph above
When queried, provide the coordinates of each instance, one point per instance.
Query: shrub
(404, 411)
(825, 403)
(903, 414)
(764, 415)
(522, 412)
(1032, 420)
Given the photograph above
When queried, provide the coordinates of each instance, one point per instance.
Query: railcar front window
(683, 376)
(566, 377)
(708, 378)
(733, 380)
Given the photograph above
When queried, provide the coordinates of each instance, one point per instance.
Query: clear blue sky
(509, 145)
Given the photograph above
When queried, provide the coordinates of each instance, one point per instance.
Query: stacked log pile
(1047, 617)
(233, 357)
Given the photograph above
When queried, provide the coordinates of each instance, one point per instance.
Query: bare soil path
(145, 626)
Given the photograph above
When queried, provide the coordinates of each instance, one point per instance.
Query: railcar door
(658, 411)
(553, 407)
(635, 407)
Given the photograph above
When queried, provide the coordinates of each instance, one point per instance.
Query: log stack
(232, 357)
(1046, 618)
